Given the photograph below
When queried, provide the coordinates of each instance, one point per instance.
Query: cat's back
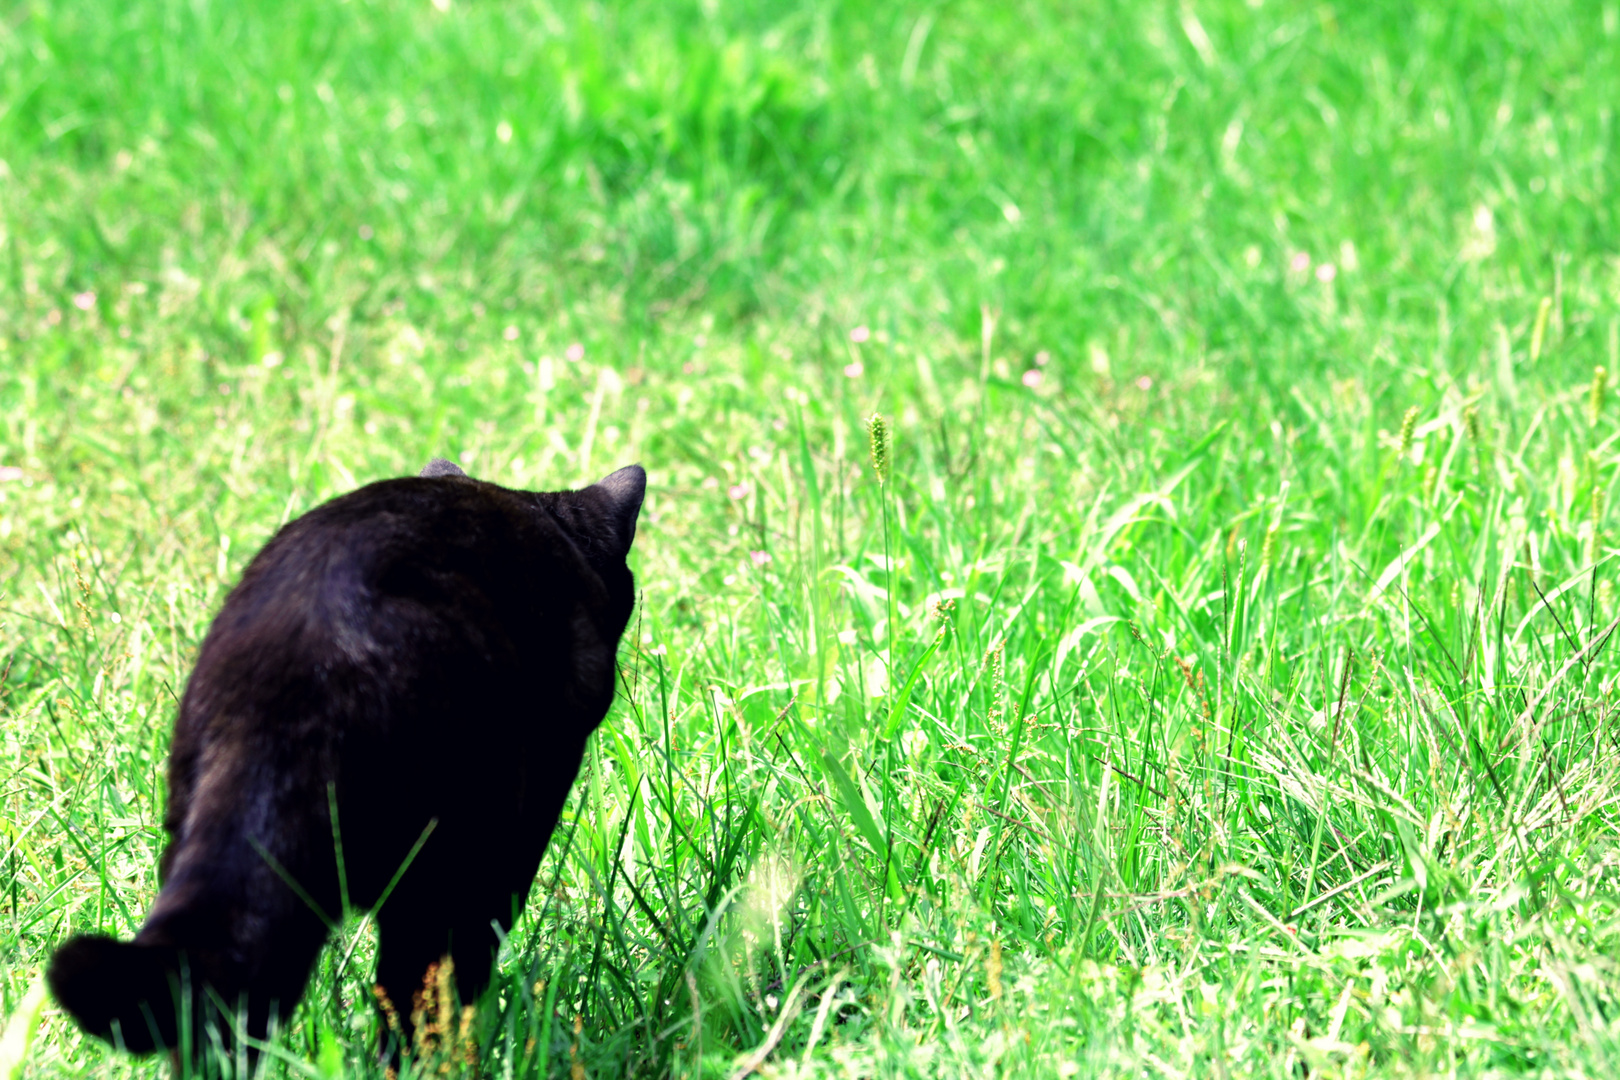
(393, 585)
(437, 542)
(358, 539)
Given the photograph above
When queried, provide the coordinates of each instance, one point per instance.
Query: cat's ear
(440, 467)
(621, 495)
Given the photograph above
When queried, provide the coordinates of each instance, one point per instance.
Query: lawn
(1212, 676)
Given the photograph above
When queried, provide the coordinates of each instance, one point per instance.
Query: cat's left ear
(440, 467)
(621, 495)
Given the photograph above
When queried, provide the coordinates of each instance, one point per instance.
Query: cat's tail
(121, 991)
(212, 957)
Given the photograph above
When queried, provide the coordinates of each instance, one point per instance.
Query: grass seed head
(390, 1014)
(466, 1038)
(994, 661)
(1600, 389)
(877, 429)
(1408, 424)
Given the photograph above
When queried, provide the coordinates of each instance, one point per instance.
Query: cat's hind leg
(420, 929)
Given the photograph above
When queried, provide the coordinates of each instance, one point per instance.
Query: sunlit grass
(1219, 682)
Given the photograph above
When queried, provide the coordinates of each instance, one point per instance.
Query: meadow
(1211, 676)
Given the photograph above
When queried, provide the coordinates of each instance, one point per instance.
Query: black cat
(426, 655)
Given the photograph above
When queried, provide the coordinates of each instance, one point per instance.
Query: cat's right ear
(621, 495)
(440, 467)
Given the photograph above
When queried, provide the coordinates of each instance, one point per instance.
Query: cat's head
(600, 519)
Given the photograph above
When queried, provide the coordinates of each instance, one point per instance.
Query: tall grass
(1218, 683)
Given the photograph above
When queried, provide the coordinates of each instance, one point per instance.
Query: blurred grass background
(1219, 684)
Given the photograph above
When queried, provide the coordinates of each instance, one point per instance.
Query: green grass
(1236, 700)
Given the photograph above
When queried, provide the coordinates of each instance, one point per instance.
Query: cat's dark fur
(427, 649)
